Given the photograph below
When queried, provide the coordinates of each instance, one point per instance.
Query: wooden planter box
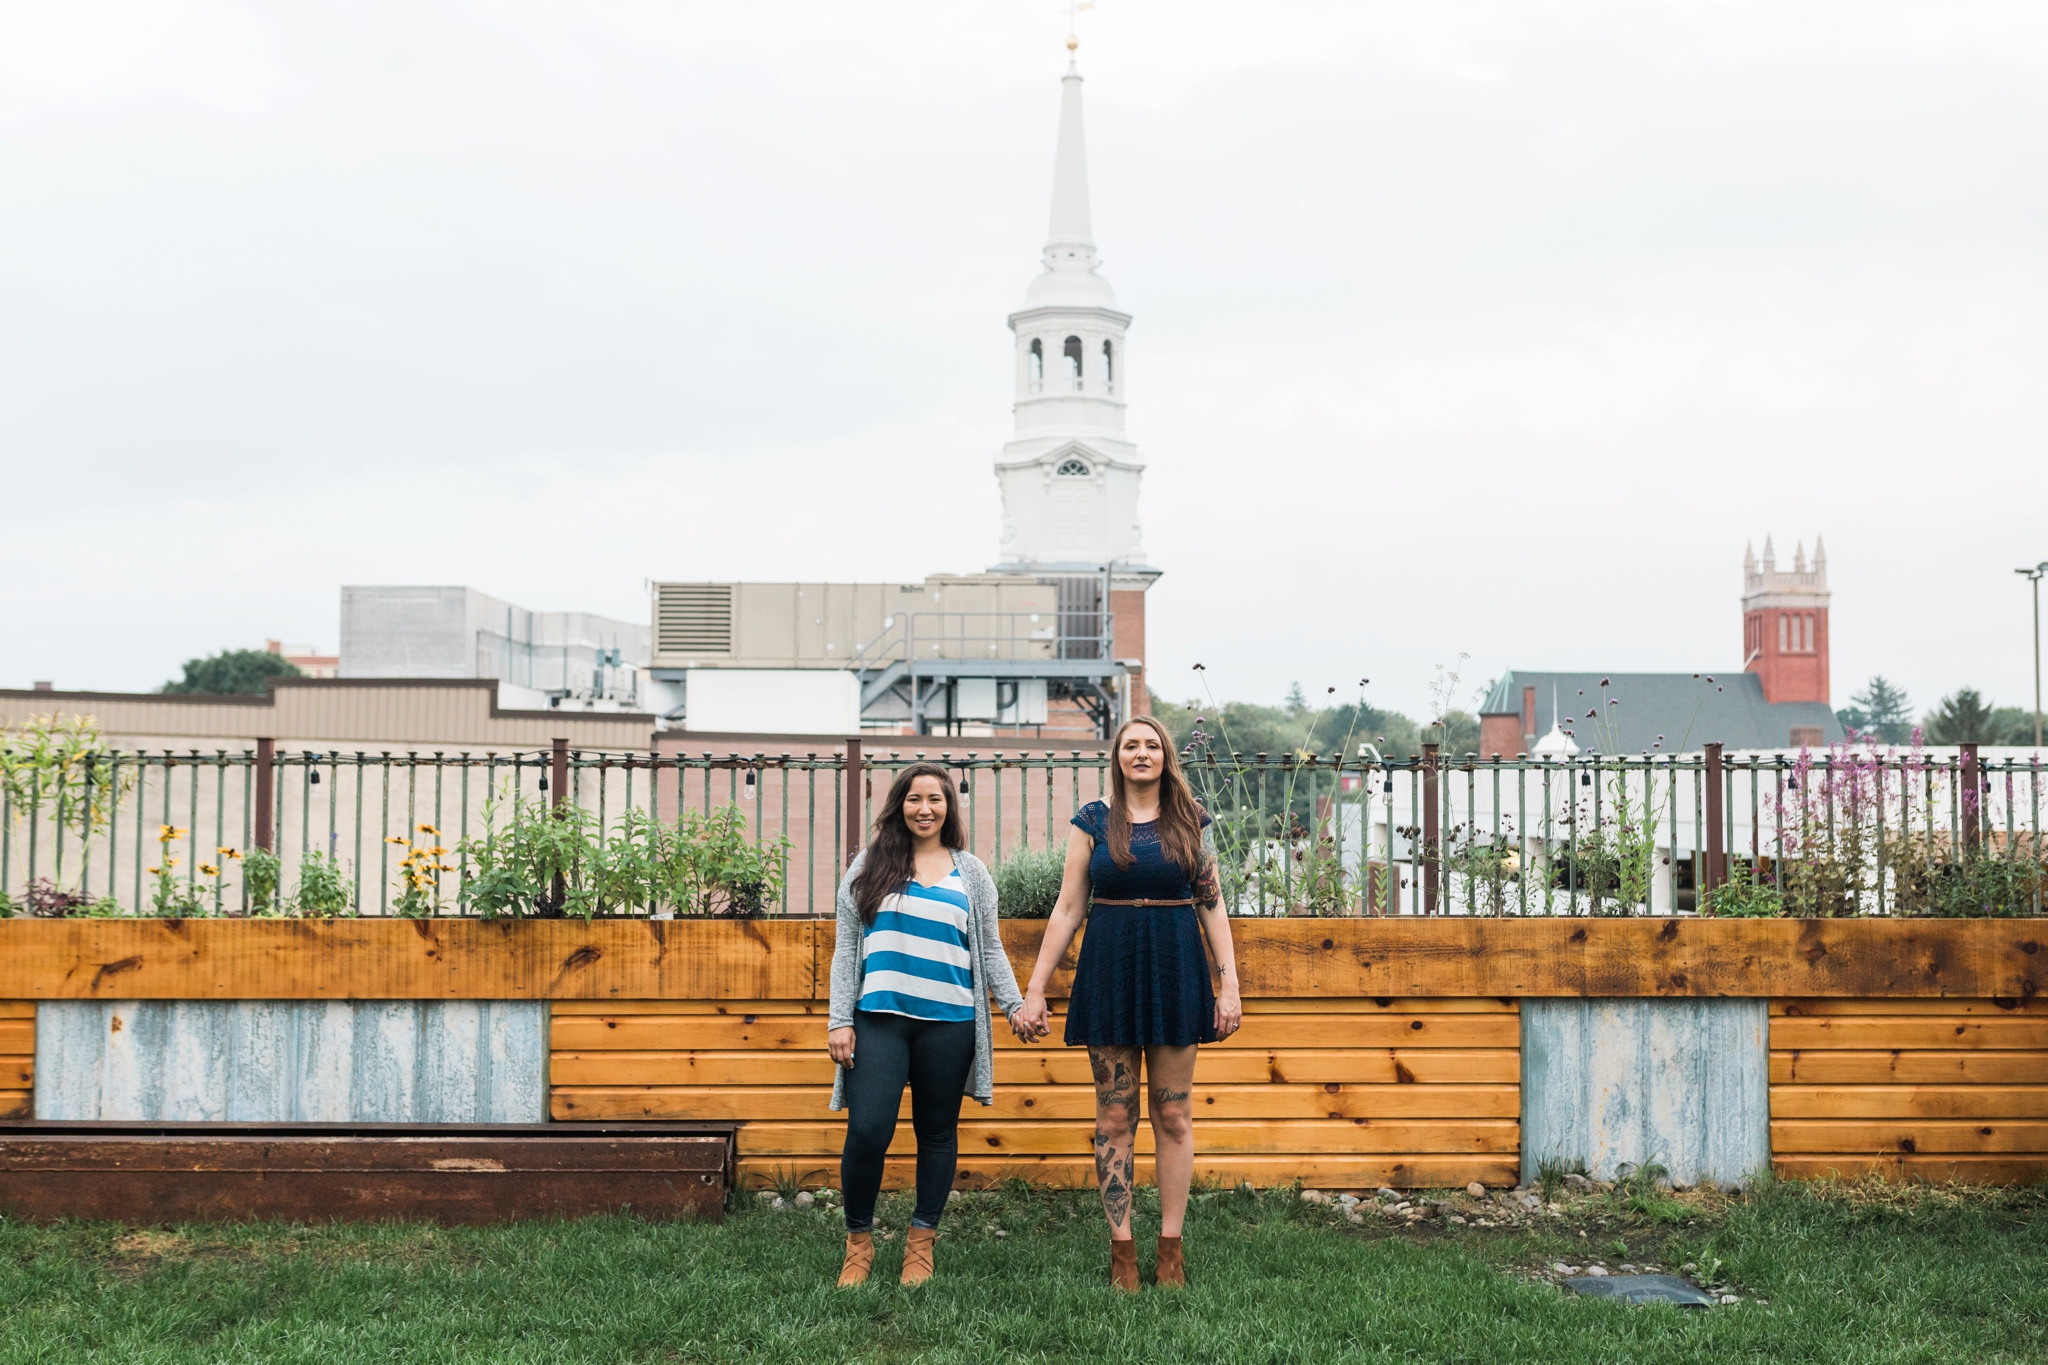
(1380, 1051)
(177, 1172)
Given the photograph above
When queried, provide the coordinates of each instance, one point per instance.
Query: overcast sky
(1493, 329)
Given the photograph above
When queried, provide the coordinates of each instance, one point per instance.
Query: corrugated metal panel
(288, 1061)
(1684, 1083)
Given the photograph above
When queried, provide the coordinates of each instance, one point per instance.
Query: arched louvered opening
(1073, 356)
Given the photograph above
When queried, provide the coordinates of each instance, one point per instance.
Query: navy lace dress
(1143, 977)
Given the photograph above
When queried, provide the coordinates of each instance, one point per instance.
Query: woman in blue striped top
(916, 957)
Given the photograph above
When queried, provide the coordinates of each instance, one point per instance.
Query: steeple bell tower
(1069, 475)
(1785, 623)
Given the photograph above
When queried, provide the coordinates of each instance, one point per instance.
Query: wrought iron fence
(1836, 834)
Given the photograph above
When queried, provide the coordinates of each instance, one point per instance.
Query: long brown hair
(1180, 814)
(891, 856)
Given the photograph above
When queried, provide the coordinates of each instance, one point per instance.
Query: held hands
(1030, 1021)
(1229, 1012)
(839, 1042)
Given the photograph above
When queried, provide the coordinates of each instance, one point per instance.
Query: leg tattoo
(1116, 1087)
(1115, 1186)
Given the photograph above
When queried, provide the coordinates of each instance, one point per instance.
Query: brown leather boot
(860, 1259)
(1123, 1264)
(1172, 1271)
(917, 1255)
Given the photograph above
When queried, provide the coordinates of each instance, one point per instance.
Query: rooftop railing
(426, 832)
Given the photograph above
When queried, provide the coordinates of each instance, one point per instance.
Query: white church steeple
(1069, 476)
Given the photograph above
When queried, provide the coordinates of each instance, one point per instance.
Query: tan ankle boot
(1172, 1271)
(860, 1259)
(917, 1255)
(1123, 1264)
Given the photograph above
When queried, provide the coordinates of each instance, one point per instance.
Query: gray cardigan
(989, 964)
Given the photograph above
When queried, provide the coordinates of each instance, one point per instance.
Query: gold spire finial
(1074, 13)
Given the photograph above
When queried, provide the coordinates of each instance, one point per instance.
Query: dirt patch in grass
(144, 1251)
(151, 1244)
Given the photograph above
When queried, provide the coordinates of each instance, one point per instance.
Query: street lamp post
(2034, 576)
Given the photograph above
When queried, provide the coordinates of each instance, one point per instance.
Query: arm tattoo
(1208, 890)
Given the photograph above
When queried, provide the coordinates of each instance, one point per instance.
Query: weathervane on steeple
(1073, 15)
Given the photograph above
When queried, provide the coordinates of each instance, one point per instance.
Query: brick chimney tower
(1785, 623)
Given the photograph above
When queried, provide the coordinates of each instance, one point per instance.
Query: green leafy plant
(513, 870)
(261, 873)
(1985, 884)
(553, 861)
(58, 764)
(324, 890)
(1743, 896)
(1028, 883)
(734, 876)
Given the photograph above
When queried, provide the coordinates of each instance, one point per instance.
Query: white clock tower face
(1070, 477)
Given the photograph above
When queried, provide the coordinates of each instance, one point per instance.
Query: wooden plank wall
(17, 1059)
(1451, 957)
(1929, 1089)
(1341, 1093)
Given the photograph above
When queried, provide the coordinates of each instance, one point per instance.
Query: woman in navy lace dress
(1141, 869)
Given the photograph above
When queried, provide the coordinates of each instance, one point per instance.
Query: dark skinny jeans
(934, 1057)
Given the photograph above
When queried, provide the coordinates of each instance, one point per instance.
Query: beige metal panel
(823, 625)
(764, 624)
(791, 625)
(341, 714)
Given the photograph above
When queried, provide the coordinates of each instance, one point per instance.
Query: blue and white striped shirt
(914, 956)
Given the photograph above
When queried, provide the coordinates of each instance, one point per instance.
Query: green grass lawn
(1825, 1275)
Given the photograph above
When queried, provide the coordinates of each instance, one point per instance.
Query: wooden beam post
(855, 786)
(558, 779)
(1431, 828)
(266, 793)
(1716, 870)
(1970, 799)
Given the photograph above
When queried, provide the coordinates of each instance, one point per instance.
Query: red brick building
(1778, 699)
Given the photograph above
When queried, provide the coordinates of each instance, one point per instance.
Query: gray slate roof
(1686, 709)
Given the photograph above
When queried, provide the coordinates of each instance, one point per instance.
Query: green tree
(1458, 733)
(2012, 725)
(1879, 710)
(233, 672)
(1963, 717)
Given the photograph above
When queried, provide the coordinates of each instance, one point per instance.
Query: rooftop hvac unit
(694, 620)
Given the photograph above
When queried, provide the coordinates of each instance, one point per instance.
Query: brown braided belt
(1141, 902)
